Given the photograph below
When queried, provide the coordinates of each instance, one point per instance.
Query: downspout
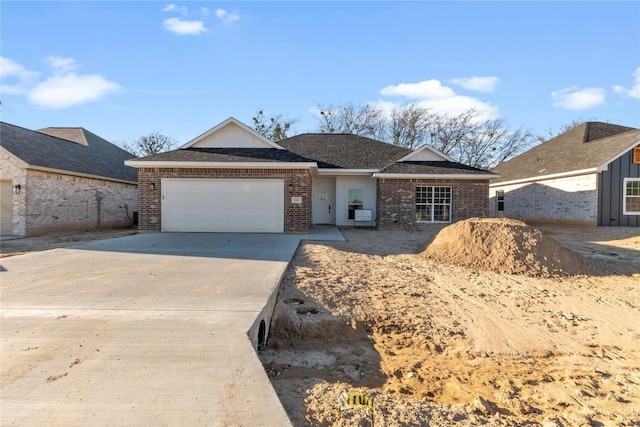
(99, 197)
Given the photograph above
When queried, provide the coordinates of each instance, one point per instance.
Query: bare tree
(275, 127)
(476, 141)
(365, 120)
(468, 137)
(409, 126)
(147, 145)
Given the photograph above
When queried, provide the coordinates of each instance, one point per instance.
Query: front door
(322, 208)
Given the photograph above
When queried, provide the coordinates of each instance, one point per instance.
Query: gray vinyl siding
(610, 188)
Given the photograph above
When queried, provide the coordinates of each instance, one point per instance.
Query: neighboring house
(587, 175)
(232, 179)
(60, 179)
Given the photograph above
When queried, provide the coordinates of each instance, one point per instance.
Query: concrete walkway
(151, 329)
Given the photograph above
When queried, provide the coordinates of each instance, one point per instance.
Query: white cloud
(438, 98)
(180, 26)
(634, 91)
(63, 89)
(11, 70)
(173, 8)
(68, 90)
(60, 64)
(204, 11)
(574, 98)
(226, 16)
(431, 89)
(71, 89)
(480, 84)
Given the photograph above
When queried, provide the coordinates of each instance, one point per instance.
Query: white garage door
(223, 205)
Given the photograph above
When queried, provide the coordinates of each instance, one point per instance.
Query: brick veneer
(396, 200)
(50, 202)
(297, 183)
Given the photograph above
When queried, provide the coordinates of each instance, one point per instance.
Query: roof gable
(426, 154)
(231, 134)
(38, 150)
(589, 146)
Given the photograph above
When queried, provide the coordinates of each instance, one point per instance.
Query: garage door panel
(223, 205)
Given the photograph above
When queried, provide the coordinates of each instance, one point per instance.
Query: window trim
(624, 196)
(432, 204)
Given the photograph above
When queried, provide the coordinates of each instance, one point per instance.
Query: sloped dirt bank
(438, 344)
(508, 246)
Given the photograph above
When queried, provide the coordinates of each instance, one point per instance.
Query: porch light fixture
(152, 186)
(16, 189)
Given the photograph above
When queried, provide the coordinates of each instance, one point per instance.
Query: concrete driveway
(149, 329)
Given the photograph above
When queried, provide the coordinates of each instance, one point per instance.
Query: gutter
(433, 176)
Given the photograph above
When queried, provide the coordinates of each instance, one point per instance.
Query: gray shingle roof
(226, 155)
(99, 157)
(344, 150)
(434, 168)
(586, 146)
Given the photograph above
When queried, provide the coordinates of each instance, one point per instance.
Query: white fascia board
(85, 175)
(545, 177)
(345, 172)
(605, 165)
(433, 176)
(425, 147)
(223, 124)
(227, 165)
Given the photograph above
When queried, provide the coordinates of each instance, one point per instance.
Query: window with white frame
(355, 201)
(631, 196)
(433, 204)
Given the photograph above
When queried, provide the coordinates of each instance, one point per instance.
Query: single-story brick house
(232, 179)
(587, 175)
(58, 179)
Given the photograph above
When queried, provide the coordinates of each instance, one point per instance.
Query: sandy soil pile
(437, 344)
(507, 246)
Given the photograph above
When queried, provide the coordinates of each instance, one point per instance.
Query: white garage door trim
(222, 205)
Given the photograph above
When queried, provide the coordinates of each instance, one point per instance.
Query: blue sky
(122, 69)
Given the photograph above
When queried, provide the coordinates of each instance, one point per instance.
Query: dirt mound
(504, 245)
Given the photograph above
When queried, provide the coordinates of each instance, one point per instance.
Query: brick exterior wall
(396, 200)
(570, 200)
(59, 202)
(297, 183)
(50, 202)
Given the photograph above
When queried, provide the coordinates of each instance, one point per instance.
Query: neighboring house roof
(226, 155)
(589, 146)
(94, 157)
(70, 134)
(344, 151)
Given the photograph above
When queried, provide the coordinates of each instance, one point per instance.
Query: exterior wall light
(16, 189)
(152, 186)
